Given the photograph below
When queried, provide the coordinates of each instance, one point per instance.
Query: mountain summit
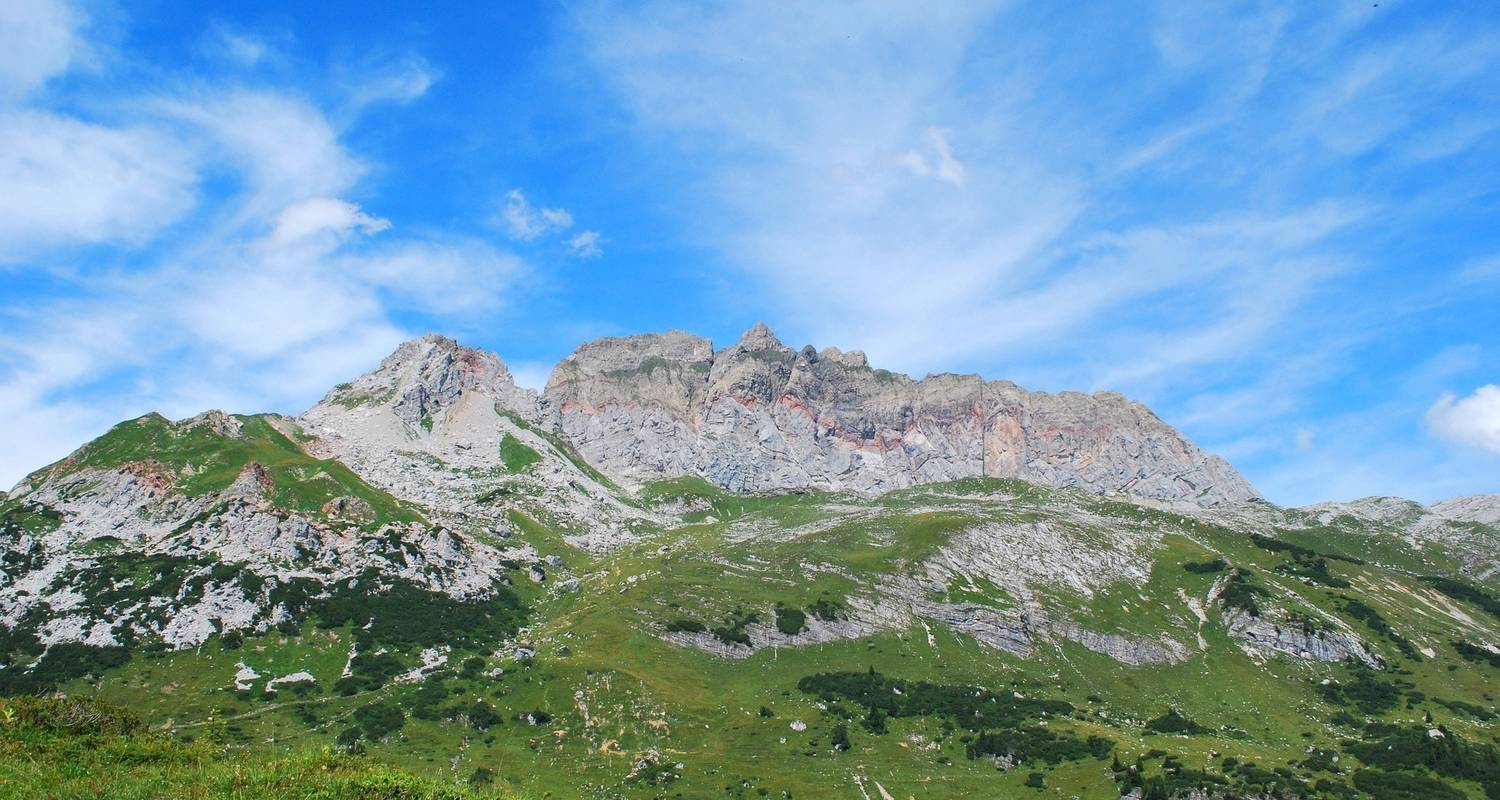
(760, 416)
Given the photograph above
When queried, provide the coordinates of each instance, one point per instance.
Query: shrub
(686, 626)
(379, 719)
(1174, 722)
(1239, 593)
(1366, 692)
(481, 776)
(60, 664)
(1476, 653)
(483, 716)
(368, 671)
(1036, 780)
(1371, 618)
(1206, 567)
(82, 715)
(840, 737)
(827, 610)
(790, 621)
(1404, 786)
(471, 668)
(733, 631)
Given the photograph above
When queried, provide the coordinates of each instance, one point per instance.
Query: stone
(760, 416)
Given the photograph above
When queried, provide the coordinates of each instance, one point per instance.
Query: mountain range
(754, 570)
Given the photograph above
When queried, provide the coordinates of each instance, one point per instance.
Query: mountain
(760, 416)
(750, 572)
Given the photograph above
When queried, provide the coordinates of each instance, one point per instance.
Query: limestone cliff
(759, 415)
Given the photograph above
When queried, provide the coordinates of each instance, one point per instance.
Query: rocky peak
(667, 370)
(428, 374)
(759, 337)
(755, 370)
(215, 420)
(759, 415)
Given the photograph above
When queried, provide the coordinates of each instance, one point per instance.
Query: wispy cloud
(526, 222)
(271, 288)
(587, 244)
(1171, 227)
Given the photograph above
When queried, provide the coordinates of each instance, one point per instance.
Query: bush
(481, 776)
(368, 671)
(1366, 692)
(840, 737)
(1206, 567)
(733, 631)
(60, 664)
(686, 626)
(1404, 786)
(969, 706)
(826, 610)
(472, 666)
(1458, 590)
(1036, 780)
(1476, 653)
(1371, 618)
(1239, 593)
(82, 715)
(348, 737)
(379, 719)
(1174, 722)
(483, 716)
(790, 621)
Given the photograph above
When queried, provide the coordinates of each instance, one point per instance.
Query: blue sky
(1274, 223)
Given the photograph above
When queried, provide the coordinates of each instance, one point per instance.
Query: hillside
(743, 573)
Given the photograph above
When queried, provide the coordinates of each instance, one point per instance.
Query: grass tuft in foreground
(83, 747)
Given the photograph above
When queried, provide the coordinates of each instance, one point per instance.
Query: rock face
(427, 426)
(762, 416)
(1481, 508)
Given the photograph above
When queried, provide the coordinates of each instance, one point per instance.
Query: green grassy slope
(599, 705)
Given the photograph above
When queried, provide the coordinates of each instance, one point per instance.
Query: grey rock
(761, 416)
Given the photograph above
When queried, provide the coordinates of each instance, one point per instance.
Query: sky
(1276, 224)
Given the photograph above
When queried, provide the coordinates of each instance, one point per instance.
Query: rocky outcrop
(1480, 508)
(761, 416)
(427, 426)
(1293, 639)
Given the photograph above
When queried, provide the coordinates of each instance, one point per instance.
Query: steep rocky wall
(761, 416)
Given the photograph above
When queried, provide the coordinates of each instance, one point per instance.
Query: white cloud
(586, 244)
(1473, 421)
(282, 148)
(277, 290)
(526, 222)
(320, 215)
(67, 181)
(38, 40)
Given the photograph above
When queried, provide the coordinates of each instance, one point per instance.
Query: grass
(79, 747)
(515, 455)
(200, 461)
(615, 695)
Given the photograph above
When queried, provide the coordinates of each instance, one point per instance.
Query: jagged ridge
(761, 416)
